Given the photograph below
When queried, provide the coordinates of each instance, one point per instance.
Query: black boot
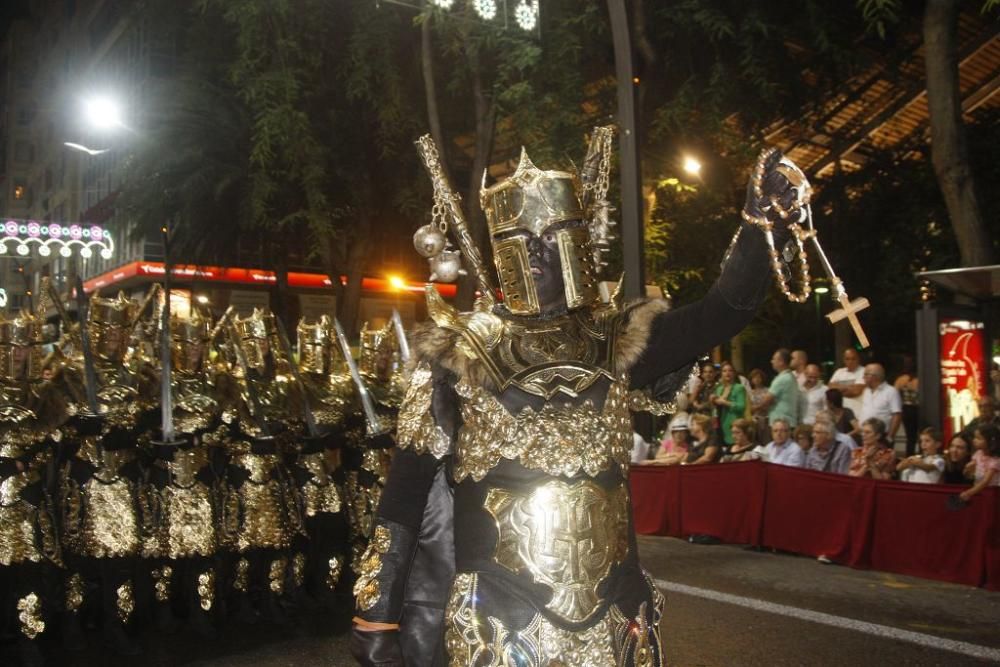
(274, 610)
(166, 622)
(201, 622)
(29, 653)
(116, 639)
(73, 637)
(245, 611)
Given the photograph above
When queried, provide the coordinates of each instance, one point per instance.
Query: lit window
(20, 192)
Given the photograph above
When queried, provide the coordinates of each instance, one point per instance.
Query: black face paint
(546, 269)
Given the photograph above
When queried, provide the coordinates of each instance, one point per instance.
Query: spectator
(874, 458)
(674, 448)
(704, 448)
(843, 418)
(827, 454)
(908, 386)
(927, 467)
(782, 399)
(957, 456)
(758, 411)
(813, 393)
(730, 401)
(701, 399)
(881, 401)
(827, 417)
(987, 415)
(782, 450)
(986, 460)
(798, 364)
(803, 437)
(850, 380)
(744, 446)
(640, 448)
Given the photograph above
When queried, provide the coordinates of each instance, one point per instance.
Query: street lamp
(102, 113)
(692, 165)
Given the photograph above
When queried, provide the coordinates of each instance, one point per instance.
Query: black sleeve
(406, 489)
(679, 336)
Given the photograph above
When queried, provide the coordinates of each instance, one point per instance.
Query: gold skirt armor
(99, 499)
(475, 637)
(27, 528)
(260, 510)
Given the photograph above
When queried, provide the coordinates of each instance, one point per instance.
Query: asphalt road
(726, 605)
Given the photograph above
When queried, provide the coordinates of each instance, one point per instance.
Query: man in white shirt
(782, 450)
(813, 394)
(850, 380)
(800, 360)
(881, 400)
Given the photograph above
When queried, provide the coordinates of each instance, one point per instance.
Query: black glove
(774, 184)
(86, 424)
(380, 441)
(376, 648)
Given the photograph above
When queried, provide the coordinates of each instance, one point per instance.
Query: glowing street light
(397, 283)
(102, 113)
(822, 289)
(692, 166)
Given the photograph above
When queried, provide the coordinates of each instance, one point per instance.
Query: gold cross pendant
(850, 309)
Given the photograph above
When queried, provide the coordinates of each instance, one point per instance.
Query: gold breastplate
(557, 439)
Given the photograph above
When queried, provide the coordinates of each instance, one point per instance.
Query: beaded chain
(798, 211)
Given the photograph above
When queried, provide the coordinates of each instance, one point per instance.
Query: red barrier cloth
(889, 526)
(915, 533)
(724, 501)
(817, 513)
(655, 500)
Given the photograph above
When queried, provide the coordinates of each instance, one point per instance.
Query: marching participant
(31, 411)
(525, 404)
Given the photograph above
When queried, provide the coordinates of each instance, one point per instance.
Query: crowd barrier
(889, 526)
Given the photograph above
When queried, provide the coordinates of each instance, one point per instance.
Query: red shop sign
(961, 349)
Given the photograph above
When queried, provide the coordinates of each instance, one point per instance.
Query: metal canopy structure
(979, 282)
(885, 107)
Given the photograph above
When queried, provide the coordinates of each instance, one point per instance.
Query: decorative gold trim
(29, 610)
(367, 589)
(276, 575)
(242, 577)
(74, 592)
(126, 601)
(206, 589)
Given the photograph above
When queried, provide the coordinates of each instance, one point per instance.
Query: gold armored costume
(526, 405)
(31, 411)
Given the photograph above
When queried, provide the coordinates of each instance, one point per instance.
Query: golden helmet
(109, 323)
(21, 354)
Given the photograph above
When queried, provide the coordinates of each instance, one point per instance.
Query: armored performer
(525, 404)
(260, 515)
(100, 473)
(183, 486)
(31, 412)
(366, 459)
(319, 558)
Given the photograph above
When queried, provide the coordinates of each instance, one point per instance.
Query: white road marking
(919, 638)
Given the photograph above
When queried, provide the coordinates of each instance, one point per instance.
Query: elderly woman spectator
(827, 454)
(704, 448)
(874, 458)
(730, 400)
(758, 411)
(843, 418)
(743, 447)
(674, 448)
(957, 457)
